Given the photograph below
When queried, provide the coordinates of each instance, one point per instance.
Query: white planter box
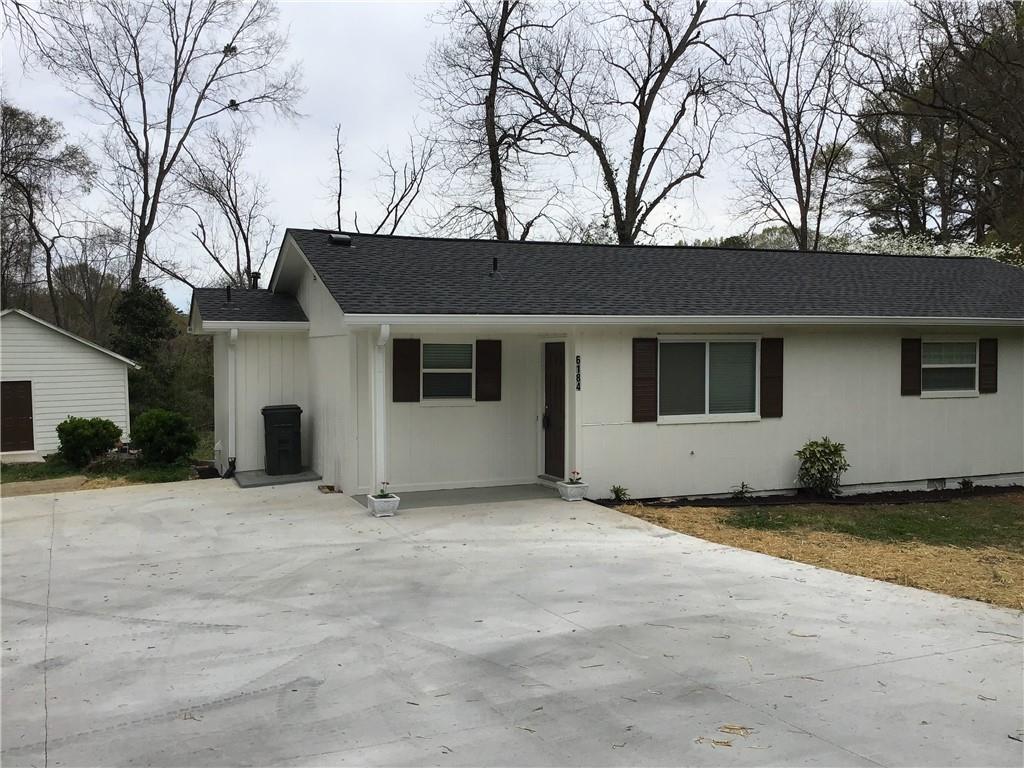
(383, 507)
(572, 491)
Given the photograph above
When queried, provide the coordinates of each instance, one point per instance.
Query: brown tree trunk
(501, 231)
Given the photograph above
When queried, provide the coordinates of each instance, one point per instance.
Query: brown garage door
(16, 416)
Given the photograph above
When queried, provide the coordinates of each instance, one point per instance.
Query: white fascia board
(528, 320)
(221, 326)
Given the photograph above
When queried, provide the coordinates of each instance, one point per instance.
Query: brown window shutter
(645, 379)
(910, 367)
(988, 366)
(488, 371)
(771, 378)
(405, 370)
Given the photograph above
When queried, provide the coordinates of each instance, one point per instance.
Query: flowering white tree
(918, 245)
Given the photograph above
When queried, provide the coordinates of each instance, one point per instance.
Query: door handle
(545, 421)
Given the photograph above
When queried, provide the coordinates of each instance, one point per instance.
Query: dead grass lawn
(986, 573)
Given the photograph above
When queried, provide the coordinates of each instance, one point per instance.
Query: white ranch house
(435, 364)
(49, 374)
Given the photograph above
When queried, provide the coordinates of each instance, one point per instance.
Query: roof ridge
(641, 246)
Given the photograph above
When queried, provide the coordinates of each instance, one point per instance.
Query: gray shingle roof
(412, 275)
(247, 306)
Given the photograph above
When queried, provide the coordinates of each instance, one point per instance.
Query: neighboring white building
(49, 374)
(451, 363)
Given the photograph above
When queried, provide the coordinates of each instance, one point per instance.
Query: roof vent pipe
(254, 280)
(227, 290)
(338, 238)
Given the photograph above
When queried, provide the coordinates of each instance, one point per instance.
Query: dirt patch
(987, 574)
(52, 485)
(98, 483)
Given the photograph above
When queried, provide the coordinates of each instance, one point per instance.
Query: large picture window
(447, 371)
(949, 366)
(707, 378)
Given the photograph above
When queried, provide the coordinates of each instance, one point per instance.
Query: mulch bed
(854, 499)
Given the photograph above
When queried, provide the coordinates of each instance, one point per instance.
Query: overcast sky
(358, 63)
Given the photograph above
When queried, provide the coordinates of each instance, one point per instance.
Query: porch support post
(378, 398)
(232, 393)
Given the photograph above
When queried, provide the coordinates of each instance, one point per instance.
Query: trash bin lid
(280, 408)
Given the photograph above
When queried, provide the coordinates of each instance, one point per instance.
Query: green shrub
(822, 463)
(164, 437)
(619, 493)
(82, 440)
(742, 492)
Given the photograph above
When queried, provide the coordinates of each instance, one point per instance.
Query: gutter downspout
(232, 399)
(380, 440)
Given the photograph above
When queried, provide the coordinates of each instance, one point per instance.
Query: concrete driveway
(198, 624)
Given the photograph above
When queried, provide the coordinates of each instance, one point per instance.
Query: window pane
(680, 379)
(947, 379)
(447, 385)
(731, 377)
(948, 353)
(447, 355)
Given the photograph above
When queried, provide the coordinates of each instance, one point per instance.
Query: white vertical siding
(329, 364)
(68, 378)
(273, 369)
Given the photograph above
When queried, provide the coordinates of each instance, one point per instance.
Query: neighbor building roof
(247, 306)
(382, 275)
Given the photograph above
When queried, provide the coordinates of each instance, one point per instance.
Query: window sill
(942, 395)
(709, 418)
(436, 402)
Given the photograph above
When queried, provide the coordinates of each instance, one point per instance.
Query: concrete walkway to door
(201, 624)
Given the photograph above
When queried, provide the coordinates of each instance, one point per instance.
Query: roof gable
(383, 275)
(68, 334)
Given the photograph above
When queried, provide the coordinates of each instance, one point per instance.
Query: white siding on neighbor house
(68, 378)
(841, 383)
(437, 444)
(273, 369)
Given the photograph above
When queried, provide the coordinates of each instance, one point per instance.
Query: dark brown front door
(554, 409)
(16, 416)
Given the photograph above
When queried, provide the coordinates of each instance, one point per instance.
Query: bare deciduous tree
(793, 82)
(339, 175)
(41, 174)
(487, 139)
(400, 184)
(643, 87)
(155, 70)
(91, 274)
(233, 228)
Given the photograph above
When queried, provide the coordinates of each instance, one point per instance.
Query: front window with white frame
(707, 379)
(447, 371)
(949, 367)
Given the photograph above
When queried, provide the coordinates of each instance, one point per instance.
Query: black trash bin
(282, 431)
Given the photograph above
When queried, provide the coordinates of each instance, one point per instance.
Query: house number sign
(578, 379)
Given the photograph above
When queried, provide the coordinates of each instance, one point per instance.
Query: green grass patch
(204, 450)
(982, 521)
(53, 467)
(129, 469)
(134, 472)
